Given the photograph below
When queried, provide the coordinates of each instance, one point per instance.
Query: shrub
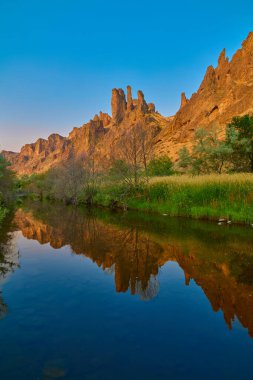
(161, 166)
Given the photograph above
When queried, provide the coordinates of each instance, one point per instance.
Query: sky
(59, 59)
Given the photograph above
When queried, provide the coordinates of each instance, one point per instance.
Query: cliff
(103, 132)
(226, 91)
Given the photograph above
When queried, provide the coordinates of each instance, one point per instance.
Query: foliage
(184, 159)
(208, 196)
(6, 180)
(212, 155)
(65, 182)
(120, 170)
(239, 136)
(161, 166)
(6, 187)
(209, 154)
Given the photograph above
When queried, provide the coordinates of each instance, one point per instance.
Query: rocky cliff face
(225, 91)
(102, 131)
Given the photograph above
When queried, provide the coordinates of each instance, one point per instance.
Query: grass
(201, 197)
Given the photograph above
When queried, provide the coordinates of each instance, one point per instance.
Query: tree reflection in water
(133, 248)
(8, 260)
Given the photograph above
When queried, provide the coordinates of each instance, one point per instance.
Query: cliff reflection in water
(134, 247)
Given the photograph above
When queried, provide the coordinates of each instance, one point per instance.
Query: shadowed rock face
(226, 91)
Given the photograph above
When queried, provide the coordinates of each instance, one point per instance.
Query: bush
(161, 166)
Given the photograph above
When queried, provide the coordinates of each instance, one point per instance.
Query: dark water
(123, 296)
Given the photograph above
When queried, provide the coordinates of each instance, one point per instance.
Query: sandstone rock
(226, 91)
(223, 60)
(141, 105)
(105, 119)
(130, 105)
(151, 107)
(118, 104)
(184, 100)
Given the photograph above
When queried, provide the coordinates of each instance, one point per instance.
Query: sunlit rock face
(226, 91)
(102, 134)
(119, 105)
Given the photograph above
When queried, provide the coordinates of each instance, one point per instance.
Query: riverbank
(212, 197)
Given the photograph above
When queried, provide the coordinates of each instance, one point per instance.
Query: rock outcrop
(130, 105)
(142, 105)
(118, 105)
(184, 100)
(102, 131)
(226, 91)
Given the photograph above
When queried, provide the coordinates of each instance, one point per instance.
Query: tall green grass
(207, 197)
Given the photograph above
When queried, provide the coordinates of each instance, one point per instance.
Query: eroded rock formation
(103, 132)
(184, 100)
(129, 99)
(142, 105)
(226, 91)
(118, 105)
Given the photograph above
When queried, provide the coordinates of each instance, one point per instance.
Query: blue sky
(59, 59)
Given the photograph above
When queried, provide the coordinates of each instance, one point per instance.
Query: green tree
(239, 138)
(184, 159)
(121, 171)
(161, 166)
(6, 180)
(209, 154)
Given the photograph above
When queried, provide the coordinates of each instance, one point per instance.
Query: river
(123, 295)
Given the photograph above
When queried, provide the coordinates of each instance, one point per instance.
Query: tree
(239, 137)
(121, 170)
(6, 180)
(184, 159)
(132, 153)
(65, 182)
(209, 154)
(161, 166)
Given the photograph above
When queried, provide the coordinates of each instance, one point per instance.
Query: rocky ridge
(225, 91)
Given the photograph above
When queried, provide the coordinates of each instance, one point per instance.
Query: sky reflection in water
(123, 296)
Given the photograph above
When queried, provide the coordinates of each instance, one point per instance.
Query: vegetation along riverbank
(6, 188)
(212, 181)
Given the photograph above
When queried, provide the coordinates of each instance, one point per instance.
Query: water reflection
(134, 247)
(8, 260)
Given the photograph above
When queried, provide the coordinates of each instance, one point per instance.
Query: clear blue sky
(59, 59)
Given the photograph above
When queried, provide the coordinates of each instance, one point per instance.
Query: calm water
(123, 296)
